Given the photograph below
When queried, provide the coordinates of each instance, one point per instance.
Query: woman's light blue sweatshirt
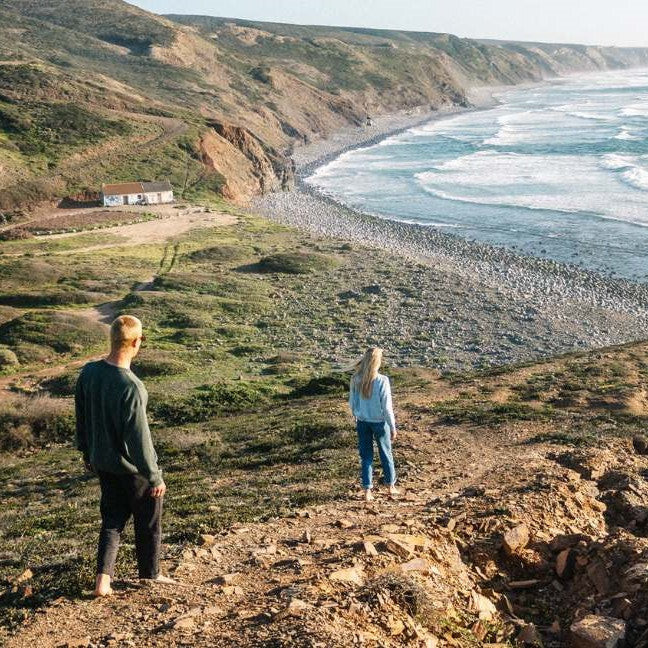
(378, 407)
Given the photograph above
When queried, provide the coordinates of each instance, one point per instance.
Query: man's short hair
(124, 330)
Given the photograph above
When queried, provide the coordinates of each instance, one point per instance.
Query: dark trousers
(121, 497)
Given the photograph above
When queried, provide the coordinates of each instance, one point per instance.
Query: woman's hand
(393, 435)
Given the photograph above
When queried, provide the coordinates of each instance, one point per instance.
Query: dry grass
(27, 421)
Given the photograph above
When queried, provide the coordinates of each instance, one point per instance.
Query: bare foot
(102, 586)
(368, 495)
(393, 491)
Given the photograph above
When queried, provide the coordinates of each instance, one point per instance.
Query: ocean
(558, 170)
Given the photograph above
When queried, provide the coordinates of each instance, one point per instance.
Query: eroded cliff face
(249, 166)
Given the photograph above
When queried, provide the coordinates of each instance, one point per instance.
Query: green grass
(54, 130)
(459, 411)
(248, 466)
(58, 245)
(37, 337)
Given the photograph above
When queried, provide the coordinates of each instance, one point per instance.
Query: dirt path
(155, 231)
(273, 584)
(159, 230)
(338, 575)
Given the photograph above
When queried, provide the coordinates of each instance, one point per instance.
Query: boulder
(516, 539)
(595, 631)
(369, 548)
(482, 606)
(566, 541)
(416, 565)
(565, 563)
(227, 579)
(207, 540)
(399, 548)
(352, 575)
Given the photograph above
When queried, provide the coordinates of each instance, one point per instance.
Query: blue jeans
(367, 432)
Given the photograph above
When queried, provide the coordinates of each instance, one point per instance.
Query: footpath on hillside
(499, 537)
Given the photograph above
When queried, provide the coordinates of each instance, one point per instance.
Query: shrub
(219, 254)
(61, 386)
(295, 263)
(150, 365)
(15, 234)
(43, 300)
(35, 420)
(211, 401)
(40, 334)
(487, 413)
(333, 384)
(403, 590)
(8, 358)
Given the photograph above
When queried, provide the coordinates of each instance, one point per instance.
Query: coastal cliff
(92, 92)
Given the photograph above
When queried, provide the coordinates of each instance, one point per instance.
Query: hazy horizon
(550, 21)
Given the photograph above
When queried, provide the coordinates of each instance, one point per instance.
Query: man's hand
(158, 491)
(393, 435)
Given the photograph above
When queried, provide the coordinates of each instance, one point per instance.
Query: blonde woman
(370, 401)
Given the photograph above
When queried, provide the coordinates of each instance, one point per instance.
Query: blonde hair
(367, 370)
(124, 330)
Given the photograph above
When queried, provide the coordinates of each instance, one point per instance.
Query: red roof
(122, 189)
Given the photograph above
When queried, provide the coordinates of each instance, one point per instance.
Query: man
(114, 437)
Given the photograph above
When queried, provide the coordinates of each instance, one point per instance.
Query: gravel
(489, 305)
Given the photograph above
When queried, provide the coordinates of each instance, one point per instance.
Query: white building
(136, 193)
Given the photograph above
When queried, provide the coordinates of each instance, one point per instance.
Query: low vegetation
(245, 431)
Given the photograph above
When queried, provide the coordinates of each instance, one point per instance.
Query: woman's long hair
(367, 370)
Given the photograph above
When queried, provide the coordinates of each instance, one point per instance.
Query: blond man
(114, 437)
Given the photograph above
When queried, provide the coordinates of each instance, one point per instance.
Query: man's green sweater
(112, 431)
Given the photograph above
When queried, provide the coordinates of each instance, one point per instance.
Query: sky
(595, 22)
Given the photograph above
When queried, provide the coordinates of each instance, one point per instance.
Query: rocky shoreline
(477, 304)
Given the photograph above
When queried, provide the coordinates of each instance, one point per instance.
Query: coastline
(317, 153)
(505, 307)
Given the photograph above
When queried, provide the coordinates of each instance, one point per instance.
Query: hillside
(263, 523)
(102, 91)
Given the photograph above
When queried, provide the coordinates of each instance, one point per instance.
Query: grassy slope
(245, 431)
(212, 314)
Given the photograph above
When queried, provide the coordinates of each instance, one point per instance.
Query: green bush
(61, 386)
(210, 401)
(295, 263)
(219, 254)
(43, 300)
(488, 413)
(41, 333)
(149, 364)
(332, 384)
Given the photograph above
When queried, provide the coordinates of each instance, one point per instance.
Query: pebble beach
(472, 304)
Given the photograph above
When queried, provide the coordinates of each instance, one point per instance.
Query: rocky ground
(452, 301)
(462, 303)
(503, 534)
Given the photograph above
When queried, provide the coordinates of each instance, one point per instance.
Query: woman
(371, 404)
